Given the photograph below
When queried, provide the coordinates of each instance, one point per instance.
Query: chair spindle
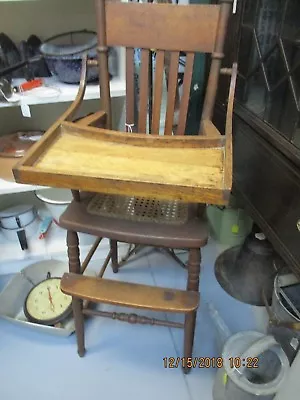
(158, 86)
(143, 103)
(172, 86)
(188, 73)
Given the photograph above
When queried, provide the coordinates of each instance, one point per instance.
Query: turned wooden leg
(79, 325)
(114, 255)
(194, 270)
(190, 318)
(73, 252)
(74, 266)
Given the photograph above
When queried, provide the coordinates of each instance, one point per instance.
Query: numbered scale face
(46, 304)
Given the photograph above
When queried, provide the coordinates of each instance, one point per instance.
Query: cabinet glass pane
(269, 64)
(249, 12)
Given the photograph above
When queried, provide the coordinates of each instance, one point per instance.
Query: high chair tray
(187, 168)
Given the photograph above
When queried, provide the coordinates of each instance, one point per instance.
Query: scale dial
(46, 304)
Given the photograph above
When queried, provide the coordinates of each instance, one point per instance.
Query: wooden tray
(187, 168)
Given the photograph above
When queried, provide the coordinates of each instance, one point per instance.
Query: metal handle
(22, 239)
(234, 7)
(18, 222)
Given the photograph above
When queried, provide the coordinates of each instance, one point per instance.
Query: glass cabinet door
(269, 64)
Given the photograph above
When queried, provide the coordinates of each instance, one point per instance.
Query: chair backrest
(168, 29)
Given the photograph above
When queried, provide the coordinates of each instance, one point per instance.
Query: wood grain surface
(129, 294)
(144, 25)
(94, 159)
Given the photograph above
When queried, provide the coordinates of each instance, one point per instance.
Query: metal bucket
(279, 310)
(284, 324)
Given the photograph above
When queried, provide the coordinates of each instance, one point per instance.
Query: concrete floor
(123, 361)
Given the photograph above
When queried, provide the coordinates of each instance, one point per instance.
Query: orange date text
(210, 362)
(193, 362)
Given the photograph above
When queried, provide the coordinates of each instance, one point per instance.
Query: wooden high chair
(150, 189)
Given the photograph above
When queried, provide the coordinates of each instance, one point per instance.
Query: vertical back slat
(150, 96)
(130, 90)
(188, 73)
(172, 86)
(158, 86)
(217, 56)
(144, 76)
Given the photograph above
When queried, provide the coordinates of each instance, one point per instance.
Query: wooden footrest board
(187, 168)
(126, 294)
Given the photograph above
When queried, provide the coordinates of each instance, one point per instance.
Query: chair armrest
(68, 115)
(209, 129)
(97, 119)
(228, 129)
(70, 112)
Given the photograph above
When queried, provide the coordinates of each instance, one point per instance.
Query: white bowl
(55, 200)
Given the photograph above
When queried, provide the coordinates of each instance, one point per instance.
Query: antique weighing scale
(46, 304)
(25, 299)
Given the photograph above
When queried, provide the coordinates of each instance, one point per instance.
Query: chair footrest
(126, 294)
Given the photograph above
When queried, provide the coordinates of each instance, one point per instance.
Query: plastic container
(255, 367)
(222, 331)
(228, 226)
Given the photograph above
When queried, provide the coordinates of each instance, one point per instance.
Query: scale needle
(50, 298)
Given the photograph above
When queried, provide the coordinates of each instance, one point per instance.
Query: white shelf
(65, 92)
(7, 187)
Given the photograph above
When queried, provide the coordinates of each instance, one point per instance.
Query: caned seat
(185, 228)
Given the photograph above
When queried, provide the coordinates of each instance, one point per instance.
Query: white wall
(45, 17)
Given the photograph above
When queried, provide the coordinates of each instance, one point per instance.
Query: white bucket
(56, 202)
(255, 366)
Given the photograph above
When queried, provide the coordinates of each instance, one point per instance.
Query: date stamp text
(210, 362)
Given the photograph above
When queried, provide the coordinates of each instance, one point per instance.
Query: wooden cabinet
(264, 37)
(270, 187)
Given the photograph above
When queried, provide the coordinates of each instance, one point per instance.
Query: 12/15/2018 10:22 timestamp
(209, 362)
